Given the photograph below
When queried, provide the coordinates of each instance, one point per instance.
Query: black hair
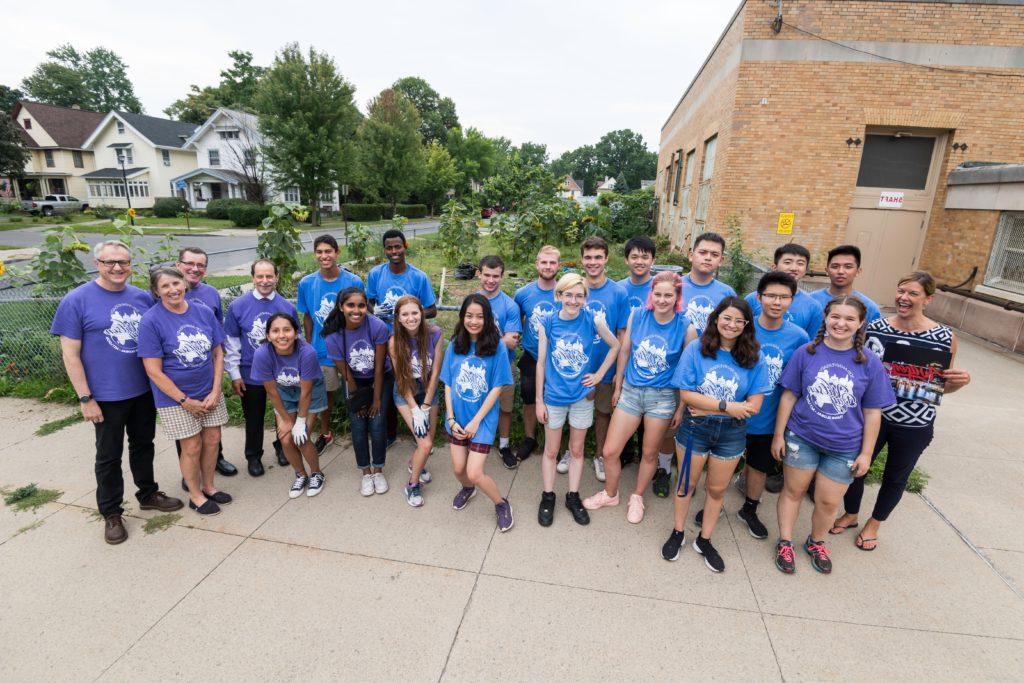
(745, 349)
(594, 242)
(290, 318)
(326, 239)
(845, 250)
(252, 268)
(776, 277)
(336, 320)
(488, 339)
(393, 232)
(641, 243)
(710, 237)
(492, 261)
(794, 249)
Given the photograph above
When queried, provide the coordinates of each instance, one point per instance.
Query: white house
(137, 154)
(230, 163)
(570, 189)
(606, 185)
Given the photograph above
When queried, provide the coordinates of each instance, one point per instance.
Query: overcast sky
(560, 73)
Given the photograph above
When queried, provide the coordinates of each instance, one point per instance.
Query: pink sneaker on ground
(601, 500)
(635, 509)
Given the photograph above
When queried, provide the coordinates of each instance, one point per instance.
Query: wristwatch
(721, 405)
(182, 400)
(85, 398)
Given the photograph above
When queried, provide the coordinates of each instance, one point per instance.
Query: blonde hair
(922, 278)
(568, 281)
(550, 249)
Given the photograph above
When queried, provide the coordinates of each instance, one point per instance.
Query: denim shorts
(803, 455)
(724, 438)
(659, 402)
(580, 415)
(400, 400)
(317, 402)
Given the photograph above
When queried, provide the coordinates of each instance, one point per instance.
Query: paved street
(341, 586)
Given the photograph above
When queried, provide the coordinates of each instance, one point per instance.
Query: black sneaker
(662, 483)
(773, 483)
(546, 512)
(508, 458)
(282, 461)
(754, 525)
(784, 560)
(322, 442)
(575, 506)
(711, 557)
(819, 555)
(670, 551)
(526, 449)
(698, 519)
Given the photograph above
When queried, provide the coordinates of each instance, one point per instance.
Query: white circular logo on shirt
(193, 346)
(568, 356)
(288, 376)
(773, 359)
(541, 312)
(361, 357)
(721, 382)
(698, 310)
(326, 306)
(258, 332)
(831, 395)
(471, 383)
(650, 358)
(123, 333)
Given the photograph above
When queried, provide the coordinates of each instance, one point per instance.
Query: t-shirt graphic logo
(193, 346)
(288, 376)
(258, 332)
(471, 384)
(541, 312)
(651, 357)
(698, 310)
(416, 365)
(773, 359)
(386, 307)
(569, 357)
(360, 357)
(326, 306)
(123, 333)
(831, 393)
(635, 304)
(723, 387)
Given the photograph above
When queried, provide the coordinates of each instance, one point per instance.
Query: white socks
(502, 442)
(665, 461)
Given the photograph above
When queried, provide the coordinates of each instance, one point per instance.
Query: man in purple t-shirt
(98, 326)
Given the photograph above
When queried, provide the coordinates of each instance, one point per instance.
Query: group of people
(792, 381)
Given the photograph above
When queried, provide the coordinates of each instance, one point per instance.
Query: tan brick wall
(961, 241)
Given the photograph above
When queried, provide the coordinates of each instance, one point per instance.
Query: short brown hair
(921, 277)
(594, 242)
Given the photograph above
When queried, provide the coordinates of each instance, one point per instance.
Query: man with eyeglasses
(98, 326)
(805, 311)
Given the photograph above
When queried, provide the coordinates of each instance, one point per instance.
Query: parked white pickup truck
(53, 203)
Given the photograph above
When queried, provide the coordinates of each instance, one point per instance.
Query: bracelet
(451, 420)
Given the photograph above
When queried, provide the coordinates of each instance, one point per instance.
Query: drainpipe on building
(777, 21)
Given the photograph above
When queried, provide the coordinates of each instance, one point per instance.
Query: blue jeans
(367, 430)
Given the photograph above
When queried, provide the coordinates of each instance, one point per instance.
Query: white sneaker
(380, 484)
(424, 474)
(563, 463)
(297, 486)
(366, 487)
(599, 468)
(316, 484)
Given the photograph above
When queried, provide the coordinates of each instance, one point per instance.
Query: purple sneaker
(504, 512)
(463, 496)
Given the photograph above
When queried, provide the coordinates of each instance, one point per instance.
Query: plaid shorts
(180, 424)
(484, 448)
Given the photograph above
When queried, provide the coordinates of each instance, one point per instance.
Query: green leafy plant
(458, 235)
(359, 239)
(56, 267)
(169, 207)
(160, 522)
(739, 261)
(280, 241)
(247, 215)
(144, 259)
(30, 497)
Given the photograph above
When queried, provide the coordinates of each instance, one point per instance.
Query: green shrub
(412, 210)
(168, 207)
(218, 208)
(366, 212)
(15, 219)
(247, 215)
(106, 212)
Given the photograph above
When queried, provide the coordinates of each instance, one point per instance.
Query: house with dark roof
(55, 137)
(137, 155)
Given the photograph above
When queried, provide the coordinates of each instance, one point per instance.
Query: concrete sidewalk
(341, 586)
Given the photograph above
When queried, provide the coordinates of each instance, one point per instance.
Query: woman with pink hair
(654, 339)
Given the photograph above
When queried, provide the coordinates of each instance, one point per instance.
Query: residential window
(327, 196)
(890, 161)
(120, 127)
(678, 176)
(167, 156)
(76, 158)
(228, 134)
(1006, 263)
(249, 157)
(125, 154)
(214, 155)
(48, 154)
(291, 195)
(27, 123)
(704, 189)
(104, 189)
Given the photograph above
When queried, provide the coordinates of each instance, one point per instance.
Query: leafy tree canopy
(96, 80)
(13, 155)
(437, 114)
(236, 90)
(622, 154)
(474, 154)
(580, 163)
(390, 149)
(9, 97)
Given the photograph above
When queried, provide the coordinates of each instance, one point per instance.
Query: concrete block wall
(983, 320)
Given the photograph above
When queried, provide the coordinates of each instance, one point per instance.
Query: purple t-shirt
(204, 294)
(287, 371)
(361, 346)
(185, 342)
(832, 392)
(414, 353)
(247, 319)
(107, 324)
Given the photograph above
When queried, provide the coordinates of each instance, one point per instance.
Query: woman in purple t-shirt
(180, 347)
(826, 425)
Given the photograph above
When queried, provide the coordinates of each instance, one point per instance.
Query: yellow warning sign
(785, 224)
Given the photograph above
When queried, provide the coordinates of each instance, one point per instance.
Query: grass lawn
(193, 221)
(109, 229)
(8, 246)
(225, 281)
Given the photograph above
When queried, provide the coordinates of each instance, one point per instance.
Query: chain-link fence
(27, 349)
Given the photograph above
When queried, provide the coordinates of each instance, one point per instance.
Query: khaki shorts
(331, 380)
(603, 398)
(507, 399)
(178, 423)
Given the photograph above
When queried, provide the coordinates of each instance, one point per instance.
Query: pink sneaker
(635, 509)
(601, 500)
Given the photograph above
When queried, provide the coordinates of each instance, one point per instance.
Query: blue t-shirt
(721, 377)
(570, 351)
(701, 300)
(535, 304)
(185, 342)
(832, 392)
(506, 313)
(247, 319)
(636, 295)
(823, 297)
(386, 288)
(607, 303)
(287, 371)
(471, 378)
(316, 299)
(777, 347)
(655, 348)
(361, 346)
(107, 324)
(804, 311)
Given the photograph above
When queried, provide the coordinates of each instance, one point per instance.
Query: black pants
(906, 444)
(254, 408)
(137, 417)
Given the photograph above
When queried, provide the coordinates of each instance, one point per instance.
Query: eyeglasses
(193, 264)
(776, 297)
(733, 322)
(110, 263)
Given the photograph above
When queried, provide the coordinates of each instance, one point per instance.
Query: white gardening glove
(420, 422)
(299, 436)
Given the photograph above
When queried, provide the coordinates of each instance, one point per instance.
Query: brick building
(852, 115)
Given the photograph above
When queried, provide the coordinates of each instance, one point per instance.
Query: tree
(534, 153)
(441, 175)
(308, 120)
(96, 80)
(580, 163)
(623, 153)
(8, 98)
(390, 149)
(237, 90)
(521, 181)
(437, 114)
(13, 155)
(474, 154)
